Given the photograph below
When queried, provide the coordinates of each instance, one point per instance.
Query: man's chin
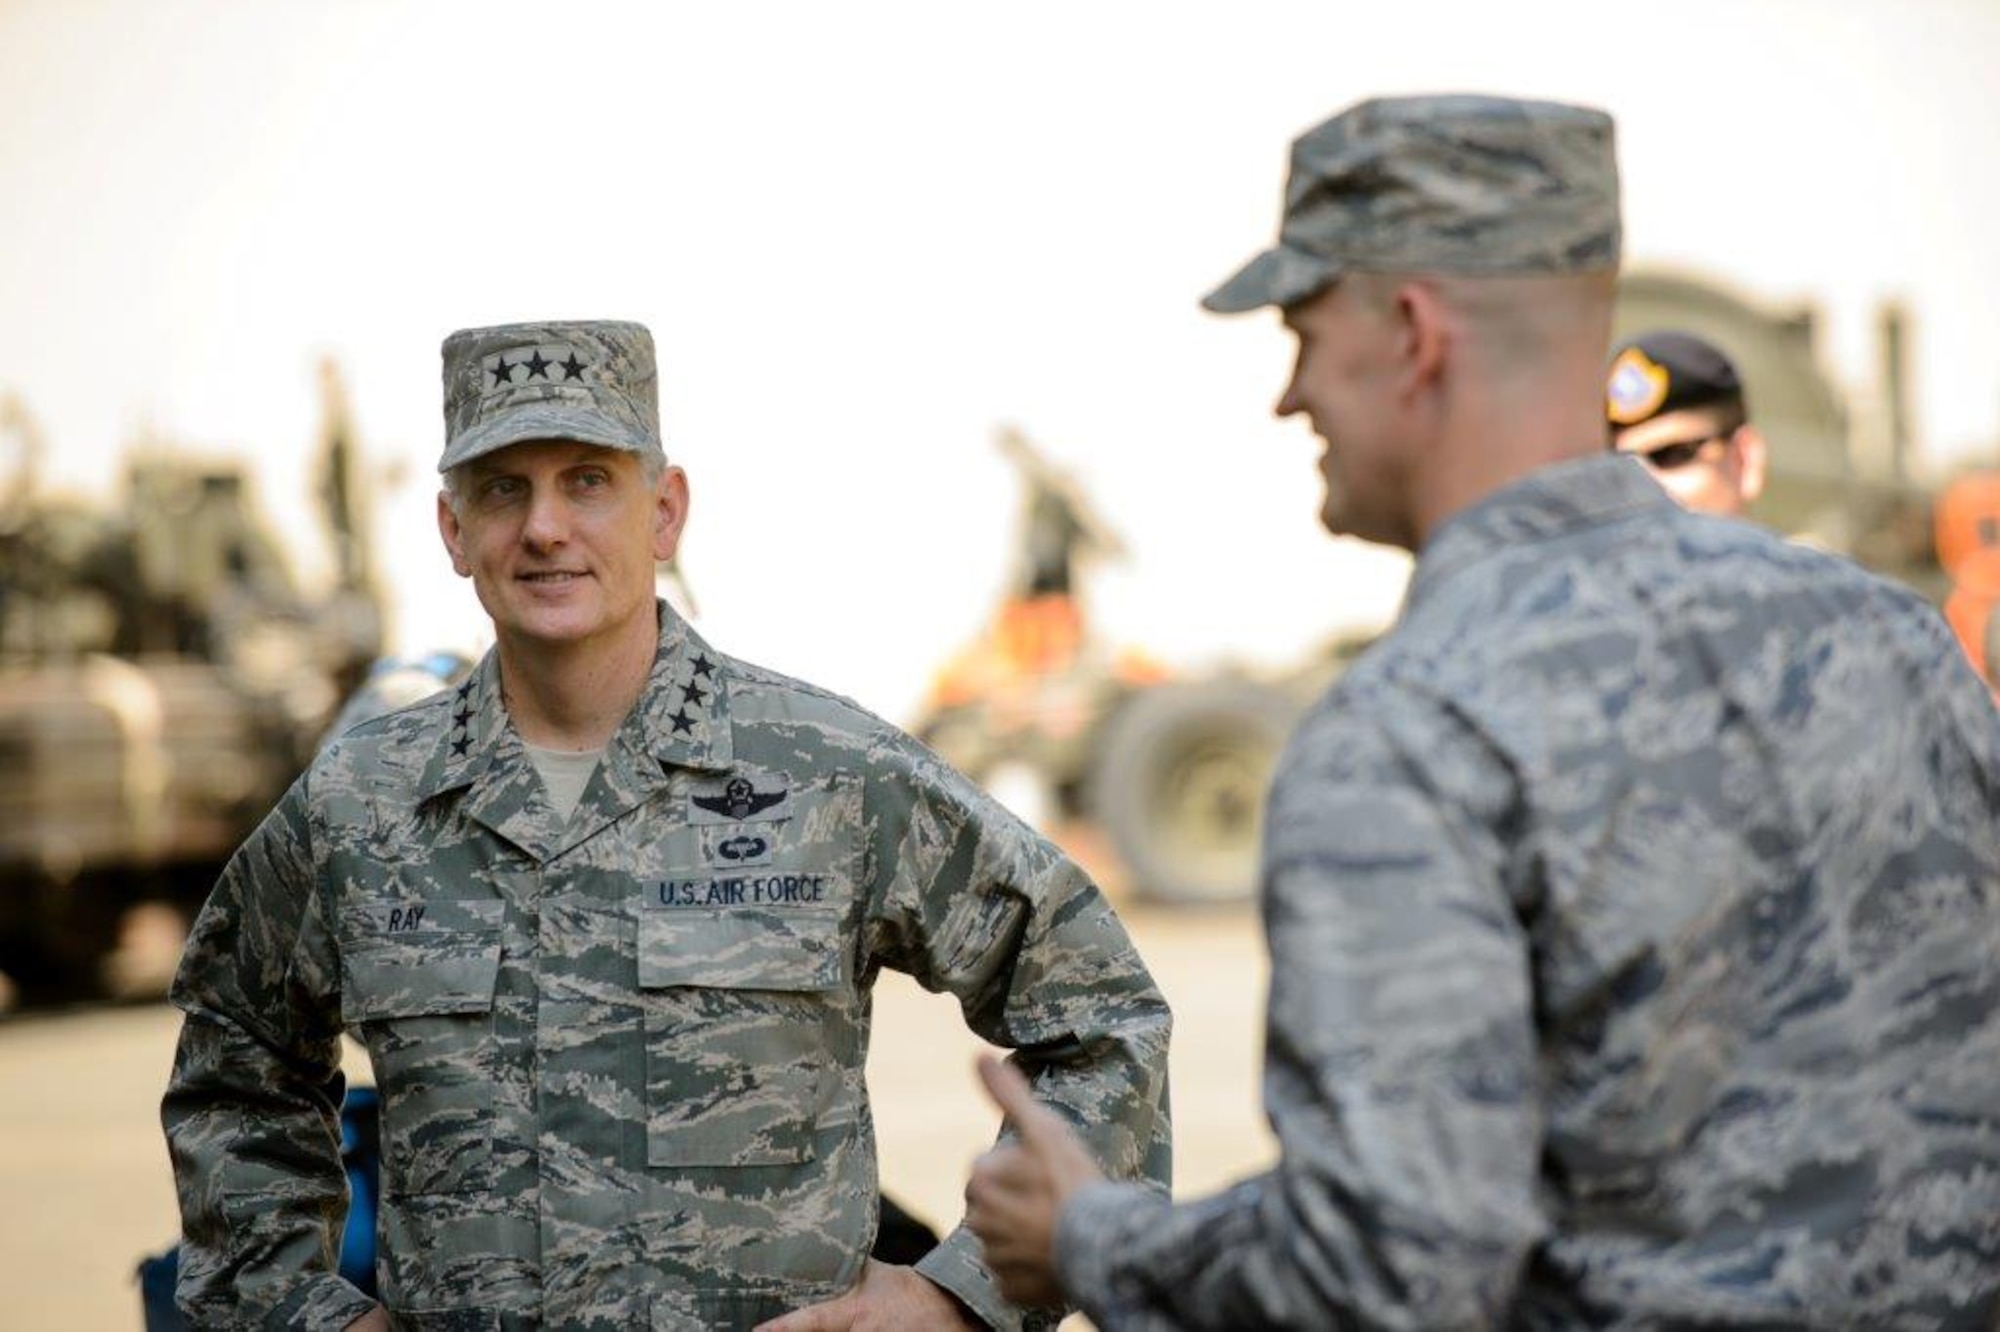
(1332, 518)
(1343, 524)
(549, 628)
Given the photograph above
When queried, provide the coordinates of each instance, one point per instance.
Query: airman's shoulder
(395, 743)
(761, 697)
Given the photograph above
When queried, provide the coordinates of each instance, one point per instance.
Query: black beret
(1665, 371)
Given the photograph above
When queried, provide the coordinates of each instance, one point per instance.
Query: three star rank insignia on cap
(550, 363)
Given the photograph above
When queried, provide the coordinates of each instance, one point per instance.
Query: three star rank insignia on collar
(461, 719)
(693, 695)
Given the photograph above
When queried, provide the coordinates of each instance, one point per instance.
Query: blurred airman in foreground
(1633, 906)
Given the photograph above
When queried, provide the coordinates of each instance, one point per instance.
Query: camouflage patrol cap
(590, 381)
(1470, 185)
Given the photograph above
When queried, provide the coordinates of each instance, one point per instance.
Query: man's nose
(1288, 401)
(548, 521)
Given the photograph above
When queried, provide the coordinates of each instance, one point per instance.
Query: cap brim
(1281, 277)
(546, 420)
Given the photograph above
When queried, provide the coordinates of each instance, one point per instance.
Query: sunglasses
(1680, 452)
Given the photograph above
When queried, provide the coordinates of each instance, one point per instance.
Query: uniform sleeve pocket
(736, 1067)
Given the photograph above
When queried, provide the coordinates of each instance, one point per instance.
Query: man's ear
(670, 511)
(1753, 458)
(453, 534)
(1424, 336)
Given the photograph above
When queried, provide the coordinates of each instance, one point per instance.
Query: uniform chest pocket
(736, 1003)
(421, 1000)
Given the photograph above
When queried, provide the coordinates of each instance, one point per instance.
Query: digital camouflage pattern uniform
(621, 1058)
(1633, 906)
(1634, 914)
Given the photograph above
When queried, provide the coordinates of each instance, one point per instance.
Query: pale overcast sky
(865, 234)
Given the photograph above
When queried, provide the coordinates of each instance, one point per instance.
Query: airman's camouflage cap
(1478, 186)
(590, 381)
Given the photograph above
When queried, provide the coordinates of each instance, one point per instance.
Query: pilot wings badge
(739, 799)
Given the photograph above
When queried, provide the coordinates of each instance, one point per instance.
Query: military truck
(1157, 781)
(162, 679)
(1154, 780)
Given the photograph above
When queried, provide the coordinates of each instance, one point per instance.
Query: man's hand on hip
(888, 1299)
(1017, 1191)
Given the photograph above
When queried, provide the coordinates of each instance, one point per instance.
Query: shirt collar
(1550, 502)
(681, 720)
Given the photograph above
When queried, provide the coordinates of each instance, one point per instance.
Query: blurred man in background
(1633, 906)
(1675, 403)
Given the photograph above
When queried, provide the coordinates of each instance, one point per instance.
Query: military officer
(1633, 906)
(1676, 403)
(607, 917)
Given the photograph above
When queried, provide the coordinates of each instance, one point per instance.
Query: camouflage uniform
(1634, 914)
(621, 1058)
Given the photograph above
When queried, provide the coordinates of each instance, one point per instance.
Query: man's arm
(252, 1108)
(1401, 1071)
(979, 906)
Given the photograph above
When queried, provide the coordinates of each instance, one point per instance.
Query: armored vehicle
(162, 678)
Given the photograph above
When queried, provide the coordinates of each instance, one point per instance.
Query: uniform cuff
(326, 1303)
(955, 1266)
(1087, 1242)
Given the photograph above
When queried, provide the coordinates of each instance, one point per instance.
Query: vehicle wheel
(1178, 784)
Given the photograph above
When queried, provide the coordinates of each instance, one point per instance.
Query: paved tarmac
(85, 1189)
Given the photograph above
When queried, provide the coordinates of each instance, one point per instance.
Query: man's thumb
(1016, 1099)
